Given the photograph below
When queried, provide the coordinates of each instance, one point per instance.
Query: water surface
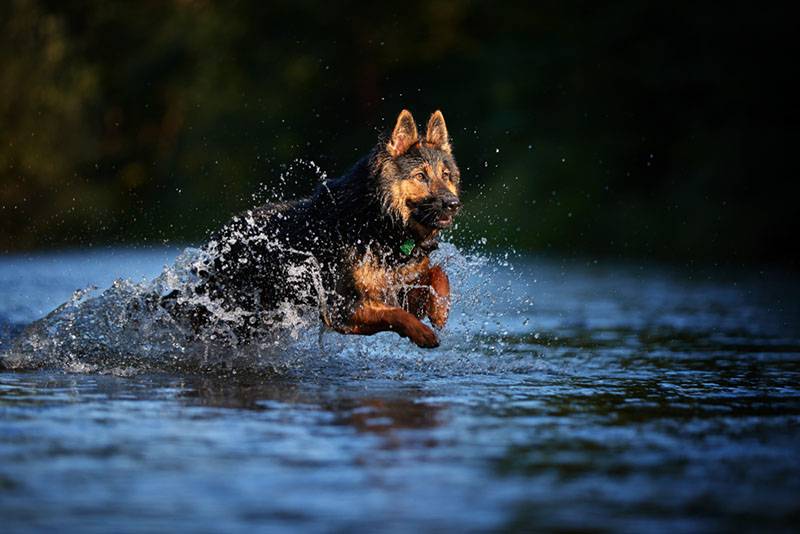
(566, 395)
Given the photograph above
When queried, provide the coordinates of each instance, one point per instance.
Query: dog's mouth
(445, 220)
(432, 215)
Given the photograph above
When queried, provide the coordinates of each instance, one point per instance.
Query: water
(565, 395)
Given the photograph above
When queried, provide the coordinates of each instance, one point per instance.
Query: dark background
(629, 130)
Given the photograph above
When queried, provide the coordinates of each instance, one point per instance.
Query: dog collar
(408, 247)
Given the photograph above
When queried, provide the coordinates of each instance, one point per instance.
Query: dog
(357, 249)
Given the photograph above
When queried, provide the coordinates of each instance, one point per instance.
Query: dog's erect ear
(436, 133)
(404, 135)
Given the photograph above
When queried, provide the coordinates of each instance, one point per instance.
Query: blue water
(566, 395)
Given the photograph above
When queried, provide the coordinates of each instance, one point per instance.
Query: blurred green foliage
(635, 129)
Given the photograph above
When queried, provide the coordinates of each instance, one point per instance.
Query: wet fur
(346, 237)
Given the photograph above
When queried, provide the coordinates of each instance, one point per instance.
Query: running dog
(358, 247)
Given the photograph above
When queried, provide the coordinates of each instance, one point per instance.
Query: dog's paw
(423, 336)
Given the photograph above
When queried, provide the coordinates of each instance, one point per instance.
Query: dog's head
(419, 177)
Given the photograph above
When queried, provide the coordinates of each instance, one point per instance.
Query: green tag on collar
(407, 247)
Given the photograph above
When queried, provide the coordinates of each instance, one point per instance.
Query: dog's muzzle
(437, 211)
(449, 206)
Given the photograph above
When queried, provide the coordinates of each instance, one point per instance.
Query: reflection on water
(364, 412)
(623, 399)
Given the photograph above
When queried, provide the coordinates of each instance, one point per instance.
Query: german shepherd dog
(358, 247)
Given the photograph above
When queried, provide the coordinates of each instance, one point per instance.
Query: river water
(566, 395)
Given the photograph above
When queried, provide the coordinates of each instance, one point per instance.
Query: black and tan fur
(340, 247)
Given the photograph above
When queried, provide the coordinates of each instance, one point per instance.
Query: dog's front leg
(433, 299)
(439, 300)
(373, 317)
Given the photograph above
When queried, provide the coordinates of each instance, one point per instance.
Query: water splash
(126, 329)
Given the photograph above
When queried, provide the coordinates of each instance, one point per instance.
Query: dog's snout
(451, 202)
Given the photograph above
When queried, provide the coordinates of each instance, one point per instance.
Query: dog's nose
(451, 202)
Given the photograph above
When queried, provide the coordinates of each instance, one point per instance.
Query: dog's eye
(446, 174)
(421, 177)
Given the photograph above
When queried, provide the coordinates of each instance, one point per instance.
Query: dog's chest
(375, 280)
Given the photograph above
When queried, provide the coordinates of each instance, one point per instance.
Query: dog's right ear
(404, 135)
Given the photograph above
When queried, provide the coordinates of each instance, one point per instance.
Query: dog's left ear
(436, 133)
